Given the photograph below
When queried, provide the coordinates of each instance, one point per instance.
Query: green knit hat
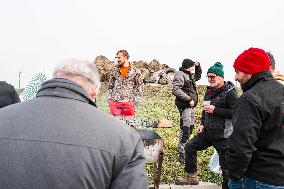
(217, 69)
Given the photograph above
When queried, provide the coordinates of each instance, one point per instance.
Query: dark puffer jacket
(184, 87)
(256, 145)
(8, 94)
(219, 124)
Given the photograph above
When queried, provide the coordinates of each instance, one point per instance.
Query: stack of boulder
(154, 72)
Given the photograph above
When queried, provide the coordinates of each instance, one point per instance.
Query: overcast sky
(36, 34)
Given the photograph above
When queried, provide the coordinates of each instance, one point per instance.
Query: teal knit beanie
(217, 69)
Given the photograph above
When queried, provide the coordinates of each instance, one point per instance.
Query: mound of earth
(153, 72)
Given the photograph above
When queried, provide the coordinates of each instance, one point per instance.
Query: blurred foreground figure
(256, 150)
(60, 140)
(8, 94)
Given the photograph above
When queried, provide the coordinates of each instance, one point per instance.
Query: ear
(93, 95)
(94, 92)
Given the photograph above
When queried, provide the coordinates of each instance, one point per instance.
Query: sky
(37, 34)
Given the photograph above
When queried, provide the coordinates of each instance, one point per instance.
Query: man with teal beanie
(216, 125)
(217, 68)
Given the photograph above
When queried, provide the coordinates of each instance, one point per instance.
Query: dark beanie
(252, 61)
(217, 69)
(187, 63)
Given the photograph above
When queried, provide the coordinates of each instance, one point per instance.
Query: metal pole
(20, 79)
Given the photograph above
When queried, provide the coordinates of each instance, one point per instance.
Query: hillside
(158, 103)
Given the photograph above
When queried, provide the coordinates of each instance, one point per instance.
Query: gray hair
(82, 68)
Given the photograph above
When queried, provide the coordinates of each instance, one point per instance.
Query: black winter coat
(219, 125)
(8, 94)
(257, 143)
(184, 87)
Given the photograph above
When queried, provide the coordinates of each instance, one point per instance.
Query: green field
(158, 103)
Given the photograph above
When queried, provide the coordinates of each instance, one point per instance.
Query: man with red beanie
(256, 150)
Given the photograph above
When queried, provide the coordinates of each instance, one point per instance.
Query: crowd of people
(61, 140)
(246, 131)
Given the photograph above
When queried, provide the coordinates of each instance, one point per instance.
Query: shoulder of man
(133, 69)
(6, 86)
(180, 74)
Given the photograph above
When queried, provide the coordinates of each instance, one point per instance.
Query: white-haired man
(60, 139)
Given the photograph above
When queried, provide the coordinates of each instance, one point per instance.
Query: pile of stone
(154, 72)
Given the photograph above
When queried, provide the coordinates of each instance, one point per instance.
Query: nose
(236, 79)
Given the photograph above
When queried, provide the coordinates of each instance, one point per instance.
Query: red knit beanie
(252, 61)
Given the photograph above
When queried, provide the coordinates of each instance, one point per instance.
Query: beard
(244, 80)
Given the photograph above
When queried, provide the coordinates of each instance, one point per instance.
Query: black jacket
(8, 94)
(60, 140)
(184, 87)
(257, 142)
(219, 125)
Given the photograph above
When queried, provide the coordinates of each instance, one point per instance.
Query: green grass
(158, 103)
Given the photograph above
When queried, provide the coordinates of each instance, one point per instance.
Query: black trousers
(202, 142)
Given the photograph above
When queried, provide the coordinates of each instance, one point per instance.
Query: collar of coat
(64, 88)
(211, 92)
(256, 78)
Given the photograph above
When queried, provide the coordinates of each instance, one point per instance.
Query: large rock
(140, 64)
(155, 65)
(104, 67)
(154, 72)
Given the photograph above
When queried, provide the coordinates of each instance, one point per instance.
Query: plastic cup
(206, 102)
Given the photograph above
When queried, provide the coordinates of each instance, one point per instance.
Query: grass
(158, 103)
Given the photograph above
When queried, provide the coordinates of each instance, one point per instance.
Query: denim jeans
(249, 183)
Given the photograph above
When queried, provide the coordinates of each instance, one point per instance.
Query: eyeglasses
(211, 76)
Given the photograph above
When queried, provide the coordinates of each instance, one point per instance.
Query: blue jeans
(249, 183)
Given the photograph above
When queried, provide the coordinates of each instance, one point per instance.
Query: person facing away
(276, 74)
(125, 86)
(185, 91)
(8, 94)
(216, 125)
(256, 153)
(61, 140)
